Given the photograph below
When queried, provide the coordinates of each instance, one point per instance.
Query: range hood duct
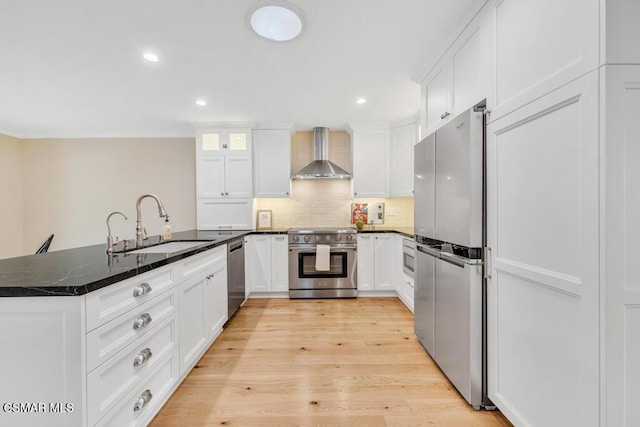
(321, 167)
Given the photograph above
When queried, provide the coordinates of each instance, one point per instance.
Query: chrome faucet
(110, 240)
(140, 234)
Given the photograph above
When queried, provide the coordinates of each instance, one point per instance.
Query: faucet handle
(144, 234)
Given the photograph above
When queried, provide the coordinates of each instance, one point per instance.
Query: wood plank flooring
(345, 362)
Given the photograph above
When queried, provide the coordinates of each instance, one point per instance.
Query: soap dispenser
(166, 230)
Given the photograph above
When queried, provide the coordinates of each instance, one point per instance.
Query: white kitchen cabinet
(438, 94)
(267, 258)
(219, 214)
(279, 263)
(366, 261)
(401, 158)
(203, 304)
(370, 147)
(224, 177)
(224, 171)
(215, 141)
(406, 290)
(376, 262)
(385, 262)
(272, 162)
(543, 300)
(620, 91)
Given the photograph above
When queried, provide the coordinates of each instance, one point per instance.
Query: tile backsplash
(327, 203)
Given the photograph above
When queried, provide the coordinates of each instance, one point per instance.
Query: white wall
(71, 185)
(11, 200)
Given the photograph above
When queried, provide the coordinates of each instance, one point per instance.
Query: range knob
(317, 238)
(338, 237)
(349, 237)
(306, 239)
(327, 238)
(296, 238)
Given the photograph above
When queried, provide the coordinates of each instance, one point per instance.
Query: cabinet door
(371, 162)
(401, 154)
(384, 262)
(543, 300)
(215, 301)
(259, 262)
(217, 141)
(272, 162)
(216, 214)
(279, 263)
(211, 177)
(438, 94)
(238, 181)
(193, 336)
(209, 142)
(365, 262)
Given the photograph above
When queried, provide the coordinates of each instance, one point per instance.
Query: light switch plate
(391, 211)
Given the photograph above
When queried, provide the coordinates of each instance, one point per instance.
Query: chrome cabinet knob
(142, 289)
(142, 357)
(142, 321)
(143, 400)
(444, 115)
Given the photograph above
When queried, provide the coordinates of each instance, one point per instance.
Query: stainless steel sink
(169, 247)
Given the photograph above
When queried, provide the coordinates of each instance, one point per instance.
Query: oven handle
(313, 249)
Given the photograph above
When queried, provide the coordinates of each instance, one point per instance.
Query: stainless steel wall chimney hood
(321, 167)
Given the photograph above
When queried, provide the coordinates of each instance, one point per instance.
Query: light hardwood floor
(346, 362)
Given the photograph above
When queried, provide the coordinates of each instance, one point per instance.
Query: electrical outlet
(391, 211)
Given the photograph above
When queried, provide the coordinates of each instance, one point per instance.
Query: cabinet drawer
(202, 261)
(107, 340)
(107, 384)
(158, 384)
(112, 301)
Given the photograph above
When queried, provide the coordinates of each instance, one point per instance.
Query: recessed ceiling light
(277, 20)
(201, 102)
(151, 57)
(361, 101)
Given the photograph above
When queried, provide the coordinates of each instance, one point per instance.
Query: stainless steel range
(322, 263)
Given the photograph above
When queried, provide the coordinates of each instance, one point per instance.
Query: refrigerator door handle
(427, 250)
(444, 256)
(487, 265)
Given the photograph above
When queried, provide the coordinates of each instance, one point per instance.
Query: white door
(621, 90)
(211, 177)
(543, 225)
(238, 181)
(365, 261)
(279, 263)
(193, 336)
(215, 300)
(272, 162)
(259, 261)
(384, 266)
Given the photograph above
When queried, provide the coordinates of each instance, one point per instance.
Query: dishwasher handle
(236, 246)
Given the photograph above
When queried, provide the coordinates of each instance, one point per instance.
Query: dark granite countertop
(82, 270)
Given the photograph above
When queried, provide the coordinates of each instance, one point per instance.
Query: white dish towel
(322, 257)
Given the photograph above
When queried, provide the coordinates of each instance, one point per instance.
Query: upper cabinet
(224, 183)
(216, 141)
(272, 162)
(370, 145)
(401, 158)
(438, 94)
(224, 163)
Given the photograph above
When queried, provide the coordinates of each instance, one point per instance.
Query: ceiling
(75, 68)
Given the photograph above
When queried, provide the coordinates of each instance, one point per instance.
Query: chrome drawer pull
(142, 321)
(142, 357)
(143, 400)
(143, 289)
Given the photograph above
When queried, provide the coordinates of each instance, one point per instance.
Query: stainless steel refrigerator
(450, 234)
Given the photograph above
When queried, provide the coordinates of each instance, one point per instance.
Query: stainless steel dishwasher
(235, 275)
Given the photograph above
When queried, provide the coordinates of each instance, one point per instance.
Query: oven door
(304, 276)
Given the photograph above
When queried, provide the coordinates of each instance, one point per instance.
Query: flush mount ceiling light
(276, 20)
(361, 101)
(201, 102)
(151, 57)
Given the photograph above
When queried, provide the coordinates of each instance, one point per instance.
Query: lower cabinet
(203, 309)
(267, 260)
(114, 356)
(377, 260)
